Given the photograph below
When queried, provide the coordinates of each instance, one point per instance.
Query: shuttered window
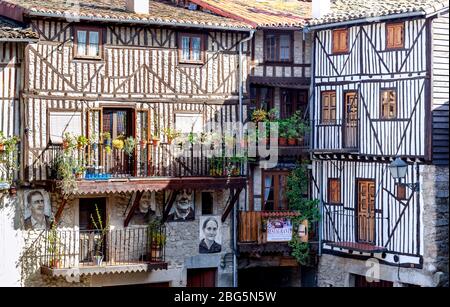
(340, 41)
(395, 37)
(334, 191)
(274, 190)
(328, 106)
(388, 103)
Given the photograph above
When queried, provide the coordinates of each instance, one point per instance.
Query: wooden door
(350, 125)
(201, 277)
(361, 282)
(366, 211)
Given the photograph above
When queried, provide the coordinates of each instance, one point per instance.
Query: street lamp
(398, 169)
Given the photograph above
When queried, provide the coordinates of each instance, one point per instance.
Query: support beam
(230, 205)
(169, 205)
(60, 210)
(136, 202)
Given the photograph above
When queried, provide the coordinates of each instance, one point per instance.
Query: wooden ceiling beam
(136, 202)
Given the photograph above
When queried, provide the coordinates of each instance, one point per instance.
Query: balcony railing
(102, 162)
(64, 249)
(336, 135)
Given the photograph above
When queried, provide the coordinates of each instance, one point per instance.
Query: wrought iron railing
(163, 160)
(71, 249)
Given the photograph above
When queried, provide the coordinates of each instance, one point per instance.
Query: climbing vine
(308, 209)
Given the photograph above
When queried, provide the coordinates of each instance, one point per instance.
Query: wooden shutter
(388, 104)
(328, 107)
(334, 191)
(395, 35)
(340, 41)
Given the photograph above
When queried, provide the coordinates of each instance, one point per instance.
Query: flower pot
(282, 141)
(156, 252)
(13, 191)
(155, 142)
(65, 144)
(292, 142)
(98, 260)
(54, 263)
(79, 175)
(300, 141)
(2, 147)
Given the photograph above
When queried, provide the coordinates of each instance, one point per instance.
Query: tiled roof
(344, 10)
(261, 13)
(115, 11)
(12, 31)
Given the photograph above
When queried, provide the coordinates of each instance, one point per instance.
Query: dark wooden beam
(169, 205)
(60, 210)
(230, 205)
(136, 202)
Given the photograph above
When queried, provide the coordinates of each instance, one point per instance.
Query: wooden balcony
(259, 231)
(88, 252)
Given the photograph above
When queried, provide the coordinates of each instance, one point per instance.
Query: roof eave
(142, 22)
(18, 40)
(363, 20)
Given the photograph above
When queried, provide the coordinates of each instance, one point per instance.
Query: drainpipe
(241, 120)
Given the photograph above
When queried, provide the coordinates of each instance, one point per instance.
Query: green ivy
(308, 209)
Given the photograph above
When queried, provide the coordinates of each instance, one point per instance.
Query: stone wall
(182, 246)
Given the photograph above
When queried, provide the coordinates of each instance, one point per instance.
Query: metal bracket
(413, 186)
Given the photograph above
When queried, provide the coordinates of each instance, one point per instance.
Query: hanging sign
(279, 229)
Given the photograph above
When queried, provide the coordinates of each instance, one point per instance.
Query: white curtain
(81, 42)
(93, 44)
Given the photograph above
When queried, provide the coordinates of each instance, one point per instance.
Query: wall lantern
(398, 169)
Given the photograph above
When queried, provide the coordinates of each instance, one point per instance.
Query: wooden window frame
(100, 42)
(329, 194)
(294, 101)
(335, 50)
(395, 25)
(276, 206)
(202, 48)
(382, 90)
(277, 35)
(329, 121)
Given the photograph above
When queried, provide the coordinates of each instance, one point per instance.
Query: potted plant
(292, 135)
(259, 115)
(118, 143)
(82, 141)
(156, 239)
(68, 141)
(54, 247)
(129, 145)
(2, 141)
(171, 134)
(282, 133)
(106, 138)
(155, 140)
(102, 229)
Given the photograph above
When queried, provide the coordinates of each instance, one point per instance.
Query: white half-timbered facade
(374, 95)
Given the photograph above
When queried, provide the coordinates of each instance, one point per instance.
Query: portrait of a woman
(210, 228)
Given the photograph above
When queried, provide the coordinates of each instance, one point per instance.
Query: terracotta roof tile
(261, 13)
(12, 30)
(344, 10)
(116, 11)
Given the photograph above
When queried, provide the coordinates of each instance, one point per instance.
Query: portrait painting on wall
(210, 235)
(37, 211)
(145, 211)
(183, 208)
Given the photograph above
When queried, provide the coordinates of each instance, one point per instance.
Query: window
(334, 191)
(328, 107)
(87, 42)
(274, 190)
(388, 104)
(61, 122)
(207, 203)
(395, 35)
(191, 48)
(292, 101)
(277, 47)
(340, 41)
(262, 97)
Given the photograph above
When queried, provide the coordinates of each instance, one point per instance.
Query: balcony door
(366, 211)
(350, 124)
(88, 233)
(119, 123)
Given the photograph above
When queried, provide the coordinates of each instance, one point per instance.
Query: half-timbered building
(380, 82)
(278, 83)
(14, 37)
(110, 72)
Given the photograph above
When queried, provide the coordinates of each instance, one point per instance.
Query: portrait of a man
(37, 209)
(210, 235)
(183, 207)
